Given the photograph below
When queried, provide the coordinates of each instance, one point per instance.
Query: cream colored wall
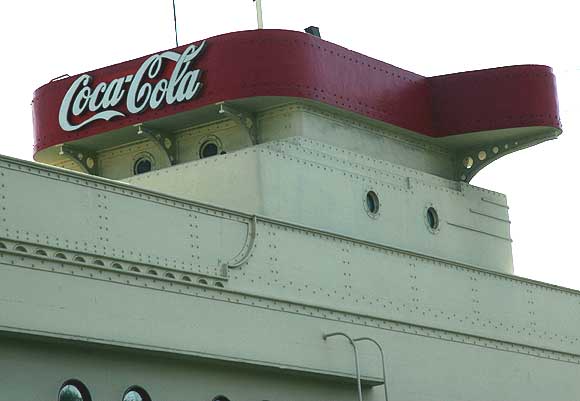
(313, 184)
(420, 367)
(315, 169)
(404, 149)
(104, 263)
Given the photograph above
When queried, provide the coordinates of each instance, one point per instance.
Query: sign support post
(259, 13)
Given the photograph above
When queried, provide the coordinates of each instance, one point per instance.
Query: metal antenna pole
(259, 12)
(175, 24)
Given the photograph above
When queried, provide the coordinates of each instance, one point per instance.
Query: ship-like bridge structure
(265, 215)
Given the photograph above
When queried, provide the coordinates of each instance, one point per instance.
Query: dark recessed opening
(208, 149)
(73, 390)
(142, 165)
(372, 202)
(221, 398)
(432, 218)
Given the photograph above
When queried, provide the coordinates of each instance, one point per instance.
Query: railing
(352, 343)
(356, 359)
(382, 361)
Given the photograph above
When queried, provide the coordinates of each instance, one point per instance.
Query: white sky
(44, 39)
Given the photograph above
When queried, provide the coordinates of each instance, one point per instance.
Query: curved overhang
(468, 112)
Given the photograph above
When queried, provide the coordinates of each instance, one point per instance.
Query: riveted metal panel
(289, 284)
(414, 361)
(59, 210)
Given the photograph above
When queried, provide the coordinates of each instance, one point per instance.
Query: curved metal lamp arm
(382, 360)
(351, 341)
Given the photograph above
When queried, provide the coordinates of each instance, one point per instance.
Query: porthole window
(73, 390)
(208, 148)
(220, 398)
(372, 203)
(136, 393)
(143, 164)
(468, 162)
(432, 219)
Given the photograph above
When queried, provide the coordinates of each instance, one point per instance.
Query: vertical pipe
(259, 13)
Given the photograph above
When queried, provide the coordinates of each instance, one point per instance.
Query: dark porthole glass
(372, 202)
(221, 398)
(208, 149)
(136, 394)
(142, 165)
(73, 390)
(432, 218)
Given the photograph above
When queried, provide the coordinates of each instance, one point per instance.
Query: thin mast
(175, 24)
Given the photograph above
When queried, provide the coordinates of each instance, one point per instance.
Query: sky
(42, 40)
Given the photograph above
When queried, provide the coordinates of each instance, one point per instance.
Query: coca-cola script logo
(183, 85)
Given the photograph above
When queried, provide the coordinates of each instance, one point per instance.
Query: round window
(468, 162)
(432, 218)
(136, 393)
(220, 398)
(143, 164)
(73, 390)
(372, 202)
(208, 149)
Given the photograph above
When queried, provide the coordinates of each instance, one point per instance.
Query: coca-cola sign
(133, 93)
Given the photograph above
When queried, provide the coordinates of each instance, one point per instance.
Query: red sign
(292, 64)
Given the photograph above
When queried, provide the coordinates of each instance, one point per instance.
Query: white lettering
(183, 85)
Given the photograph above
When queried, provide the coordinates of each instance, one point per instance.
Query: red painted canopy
(294, 64)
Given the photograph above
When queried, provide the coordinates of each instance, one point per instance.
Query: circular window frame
(207, 140)
(138, 157)
(427, 212)
(376, 199)
(79, 385)
(138, 389)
